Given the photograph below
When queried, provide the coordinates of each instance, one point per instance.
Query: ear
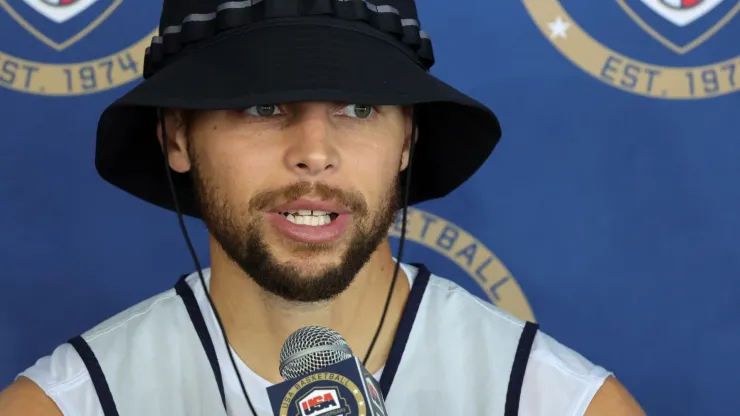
(408, 123)
(177, 140)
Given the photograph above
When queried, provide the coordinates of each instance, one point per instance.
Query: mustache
(351, 200)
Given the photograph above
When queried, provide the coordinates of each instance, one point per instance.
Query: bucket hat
(216, 55)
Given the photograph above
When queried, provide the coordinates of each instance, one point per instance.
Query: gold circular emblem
(632, 75)
(336, 378)
(471, 255)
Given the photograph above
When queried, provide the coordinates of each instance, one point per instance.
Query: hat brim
(294, 62)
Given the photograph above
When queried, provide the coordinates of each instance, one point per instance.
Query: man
(290, 128)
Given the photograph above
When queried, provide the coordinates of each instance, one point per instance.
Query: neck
(257, 323)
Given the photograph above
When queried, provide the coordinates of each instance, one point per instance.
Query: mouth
(311, 221)
(309, 217)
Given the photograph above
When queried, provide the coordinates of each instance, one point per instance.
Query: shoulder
(134, 322)
(63, 376)
(558, 377)
(450, 304)
(557, 380)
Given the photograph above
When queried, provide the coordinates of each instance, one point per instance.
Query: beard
(238, 230)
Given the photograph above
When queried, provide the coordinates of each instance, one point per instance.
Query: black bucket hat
(217, 54)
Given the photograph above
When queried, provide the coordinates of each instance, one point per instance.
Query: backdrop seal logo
(72, 47)
(679, 27)
(470, 255)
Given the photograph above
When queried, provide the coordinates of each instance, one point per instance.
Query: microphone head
(312, 348)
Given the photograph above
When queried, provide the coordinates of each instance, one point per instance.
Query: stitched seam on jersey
(78, 378)
(560, 364)
(578, 406)
(120, 324)
(57, 394)
(485, 306)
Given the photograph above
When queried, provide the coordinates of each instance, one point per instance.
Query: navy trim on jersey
(96, 375)
(516, 378)
(404, 328)
(394, 359)
(188, 298)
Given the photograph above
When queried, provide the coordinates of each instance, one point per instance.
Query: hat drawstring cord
(198, 268)
(406, 191)
(188, 242)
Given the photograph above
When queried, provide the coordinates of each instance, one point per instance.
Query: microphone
(323, 378)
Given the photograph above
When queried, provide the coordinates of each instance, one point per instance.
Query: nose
(312, 149)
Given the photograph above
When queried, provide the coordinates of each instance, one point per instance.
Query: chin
(287, 249)
(310, 260)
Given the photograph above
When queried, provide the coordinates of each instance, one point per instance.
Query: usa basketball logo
(73, 47)
(320, 402)
(333, 396)
(667, 49)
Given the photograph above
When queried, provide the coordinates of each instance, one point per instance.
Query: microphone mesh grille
(294, 362)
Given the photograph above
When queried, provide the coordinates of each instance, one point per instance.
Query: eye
(359, 110)
(263, 110)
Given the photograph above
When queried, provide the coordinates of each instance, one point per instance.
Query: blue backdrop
(610, 212)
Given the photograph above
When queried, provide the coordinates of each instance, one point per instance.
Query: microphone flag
(344, 388)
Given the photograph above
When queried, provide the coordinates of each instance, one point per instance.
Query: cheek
(240, 169)
(374, 168)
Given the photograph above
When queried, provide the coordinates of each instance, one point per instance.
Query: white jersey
(453, 354)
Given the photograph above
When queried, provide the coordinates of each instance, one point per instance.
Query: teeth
(308, 217)
(308, 212)
(313, 220)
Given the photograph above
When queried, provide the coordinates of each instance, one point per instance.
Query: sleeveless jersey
(453, 354)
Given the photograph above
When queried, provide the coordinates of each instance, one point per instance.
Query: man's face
(298, 195)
